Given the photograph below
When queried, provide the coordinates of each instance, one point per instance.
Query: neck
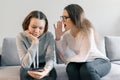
(74, 32)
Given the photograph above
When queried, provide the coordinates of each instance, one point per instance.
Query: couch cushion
(10, 73)
(9, 56)
(101, 44)
(114, 73)
(61, 72)
(116, 62)
(112, 45)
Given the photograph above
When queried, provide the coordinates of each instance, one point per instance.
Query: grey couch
(10, 64)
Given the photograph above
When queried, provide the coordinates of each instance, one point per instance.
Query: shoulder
(47, 35)
(21, 36)
(66, 33)
(91, 30)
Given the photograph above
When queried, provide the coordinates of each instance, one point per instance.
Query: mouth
(65, 25)
(36, 35)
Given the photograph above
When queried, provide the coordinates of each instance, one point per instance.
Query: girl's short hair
(35, 14)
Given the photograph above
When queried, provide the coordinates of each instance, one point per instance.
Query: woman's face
(68, 24)
(36, 27)
(66, 20)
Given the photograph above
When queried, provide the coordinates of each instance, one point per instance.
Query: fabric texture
(9, 55)
(84, 49)
(112, 47)
(58, 60)
(88, 70)
(27, 50)
(12, 72)
(0, 60)
(24, 75)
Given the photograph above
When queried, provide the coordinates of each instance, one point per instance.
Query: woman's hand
(39, 74)
(58, 30)
(33, 38)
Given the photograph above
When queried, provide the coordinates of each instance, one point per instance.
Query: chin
(36, 35)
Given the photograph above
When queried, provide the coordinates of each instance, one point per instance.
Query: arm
(83, 53)
(62, 43)
(49, 58)
(50, 52)
(26, 52)
(59, 55)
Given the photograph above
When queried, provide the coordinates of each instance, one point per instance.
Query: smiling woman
(36, 61)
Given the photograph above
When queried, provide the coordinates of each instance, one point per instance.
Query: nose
(36, 30)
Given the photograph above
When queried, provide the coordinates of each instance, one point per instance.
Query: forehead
(37, 22)
(65, 13)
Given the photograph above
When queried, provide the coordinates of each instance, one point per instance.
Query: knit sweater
(80, 48)
(44, 50)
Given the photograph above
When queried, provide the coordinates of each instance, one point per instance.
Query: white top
(80, 48)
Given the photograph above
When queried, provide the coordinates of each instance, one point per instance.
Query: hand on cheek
(30, 35)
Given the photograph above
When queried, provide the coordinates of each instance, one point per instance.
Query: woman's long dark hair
(77, 15)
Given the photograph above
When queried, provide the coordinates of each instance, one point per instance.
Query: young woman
(36, 48)
(78, 46)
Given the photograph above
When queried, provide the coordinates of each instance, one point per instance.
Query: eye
(64, 17)
(34, 27)
(40, 28)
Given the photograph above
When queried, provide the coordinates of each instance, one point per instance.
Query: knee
(70, 68)
(87, 69)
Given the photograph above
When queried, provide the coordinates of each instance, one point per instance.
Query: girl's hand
(37, 74)
(33, 38)
(58, 30)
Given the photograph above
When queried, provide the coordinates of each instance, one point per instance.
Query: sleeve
(62, 44)
(50, 52)
(83, 54)
(88, 45)
(27, 55)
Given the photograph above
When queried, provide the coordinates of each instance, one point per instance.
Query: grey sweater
(27, 51)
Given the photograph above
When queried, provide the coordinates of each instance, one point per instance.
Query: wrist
(35, 41)
(57, 39)
(46, 70)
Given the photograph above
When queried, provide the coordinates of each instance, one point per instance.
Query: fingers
(39, 75)
(59, 24)
(31, 74)
(35, 74)
(28, 33)
(58, 30)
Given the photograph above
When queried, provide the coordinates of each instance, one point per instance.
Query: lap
(101, 66)
(24, 75)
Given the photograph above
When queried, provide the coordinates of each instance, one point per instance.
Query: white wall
(104, 14)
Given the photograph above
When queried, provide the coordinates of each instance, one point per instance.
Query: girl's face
(36, 27)
(68, 24)
(66, 20)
